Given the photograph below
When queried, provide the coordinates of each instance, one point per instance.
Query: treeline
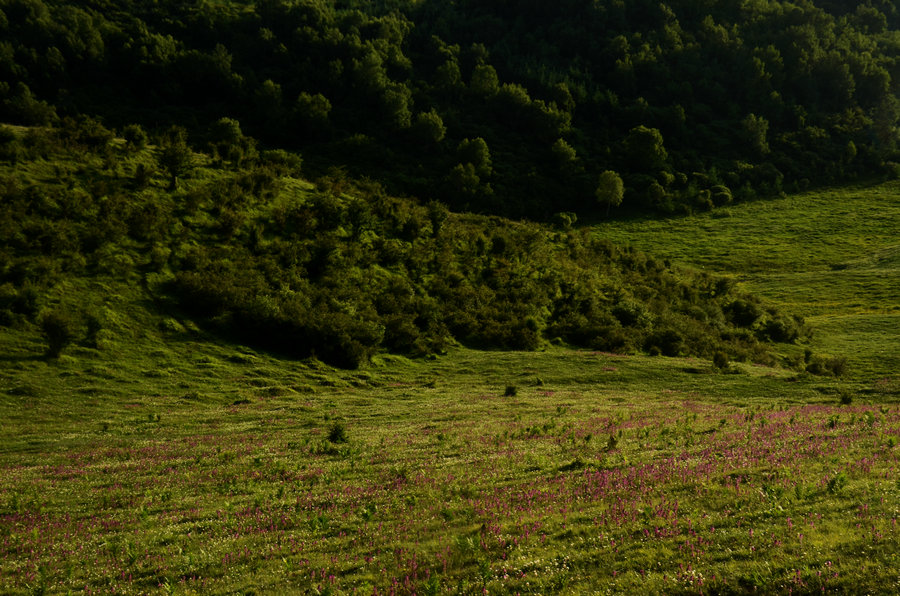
(235, 239)
(512, 107)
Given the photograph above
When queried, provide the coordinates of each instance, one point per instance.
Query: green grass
(831, 256)
(167, 462)
(162, 459)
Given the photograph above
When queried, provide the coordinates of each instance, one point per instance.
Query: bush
(837, 365)
(720, 360)
(282, 163)
(10, 149)
(135, 136)
(337, 433)
(58, 328)
(779, 328)
(667, 342)
(743, 312)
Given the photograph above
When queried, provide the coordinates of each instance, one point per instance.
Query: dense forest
(520, 108)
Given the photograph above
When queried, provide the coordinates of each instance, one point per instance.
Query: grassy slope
(831, 256)
(167, 461)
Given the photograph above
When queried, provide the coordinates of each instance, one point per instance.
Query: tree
(429, 127)
(228, 142)
(484, 80)
(447, 77)
(135, 136)
(565, 156)
(475, 152)
(23, 108)
(610, 190)
(396, 99)
(174, 155)
(644, 149)
(464, 179)
(312, 113)
(755, 130)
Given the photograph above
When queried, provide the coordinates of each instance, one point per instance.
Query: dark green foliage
(667, 342)
(780, 328)
(85, 133)
(743, 313)
(59, 330)
(135, 136)
(337, 433)
(610, 190)
(837, 366)
(228, 142)
(174, 155)
(755, 97)
(342, 271)
(720, 360)
(281, 162)
(429, 127)
(21, 107)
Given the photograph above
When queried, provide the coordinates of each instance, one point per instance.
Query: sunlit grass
(173, 464)
(163, 460)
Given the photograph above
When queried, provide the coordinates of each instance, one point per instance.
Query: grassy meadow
(157, 458)
(168, 464)
(248, 249)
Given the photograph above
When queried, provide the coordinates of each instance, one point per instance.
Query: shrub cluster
(341, 270)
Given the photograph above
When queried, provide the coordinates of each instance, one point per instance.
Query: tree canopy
(679, 97)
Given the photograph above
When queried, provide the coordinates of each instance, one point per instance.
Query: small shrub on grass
(94, 331)
(837, 365)
(720, 360)
(510, 391)
(58, 328)
(836, 483)
(337, 433)
(612, 443)
(815, 367)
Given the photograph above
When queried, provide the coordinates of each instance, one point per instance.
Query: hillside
(829, 256)
(248, 249)
(419, 297)
(167, 461)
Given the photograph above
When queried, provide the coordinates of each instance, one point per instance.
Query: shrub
(815, 367)
(667, 342)
(510, 391)
(282, 163)
(94, 331)
(720, 360)
(743, 312)
(779, 328)
(58, 328)
(135, 136)
(10, 149)
(837, 365)
(564, 220)
(837, 483)
(337, 433)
